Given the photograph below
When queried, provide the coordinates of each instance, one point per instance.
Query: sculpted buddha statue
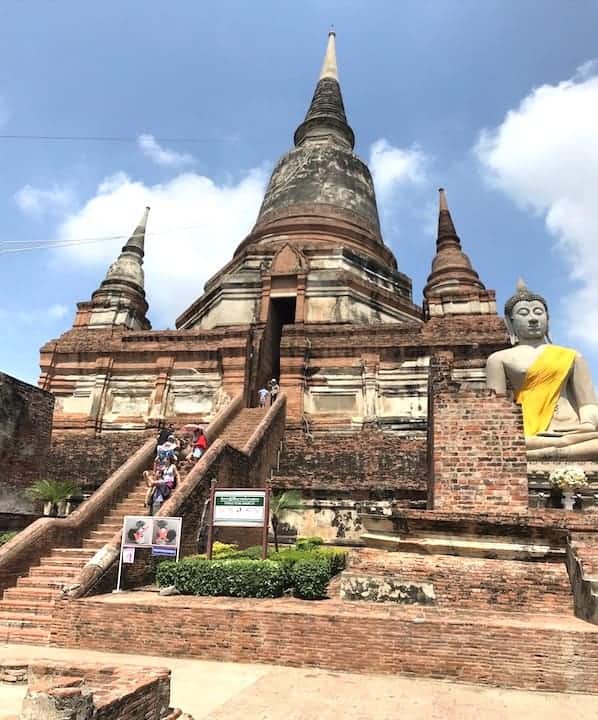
(552, 384)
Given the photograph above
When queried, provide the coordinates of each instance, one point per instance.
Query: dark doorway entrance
(282, 312)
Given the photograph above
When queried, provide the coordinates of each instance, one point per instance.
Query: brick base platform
(533, 651)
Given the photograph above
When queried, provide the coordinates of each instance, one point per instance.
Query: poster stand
(160, 534)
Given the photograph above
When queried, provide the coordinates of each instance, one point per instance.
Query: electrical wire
(107, 138)
(29, 245)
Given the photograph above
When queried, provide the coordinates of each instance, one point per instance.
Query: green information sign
(235, 508)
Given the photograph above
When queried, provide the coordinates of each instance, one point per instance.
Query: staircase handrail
(105, 558)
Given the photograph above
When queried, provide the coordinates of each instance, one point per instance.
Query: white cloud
(36, 201)
(57, 311)
(393, 167)
(544, 155)
(162, 156)
(193, 228)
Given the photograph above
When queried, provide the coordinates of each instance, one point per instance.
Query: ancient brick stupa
(312, 296)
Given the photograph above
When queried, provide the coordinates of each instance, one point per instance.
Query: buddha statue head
(526, 316)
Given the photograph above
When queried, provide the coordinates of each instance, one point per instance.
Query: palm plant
(52, 492)
(280, 503)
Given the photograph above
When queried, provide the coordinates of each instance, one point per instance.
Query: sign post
(239, 507)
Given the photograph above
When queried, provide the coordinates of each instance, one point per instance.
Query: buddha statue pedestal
(476, 445)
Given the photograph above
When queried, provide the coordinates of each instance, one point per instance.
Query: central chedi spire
(317, 235)
(326, 120)
(321, 178)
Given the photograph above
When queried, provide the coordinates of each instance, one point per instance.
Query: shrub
(240, 577)
(309, 543)
(254, 578)
(336, 558)
(166, 573)
(220, 550)
(254, 552)
(310, 578)
(6, 536)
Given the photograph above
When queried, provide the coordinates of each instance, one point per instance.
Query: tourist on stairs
(200, 445)
(263, 395)
(274, 390)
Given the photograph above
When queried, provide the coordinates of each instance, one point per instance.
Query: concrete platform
(227, 691)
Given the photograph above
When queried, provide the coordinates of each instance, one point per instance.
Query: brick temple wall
(366, 461)
(25, 428)
(337, 471)
(477, 448)
(88, 460)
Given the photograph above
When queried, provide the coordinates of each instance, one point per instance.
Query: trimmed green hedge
(241, 573)
(310, 578)
(240, 577)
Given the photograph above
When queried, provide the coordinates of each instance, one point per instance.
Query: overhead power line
(16, 246)
(114, 138)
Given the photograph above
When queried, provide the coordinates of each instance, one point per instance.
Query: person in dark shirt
(164, 434)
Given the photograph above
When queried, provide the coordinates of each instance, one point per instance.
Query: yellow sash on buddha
(541, 388)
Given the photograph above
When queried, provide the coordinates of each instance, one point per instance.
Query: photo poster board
(239, 507)
(161, 534)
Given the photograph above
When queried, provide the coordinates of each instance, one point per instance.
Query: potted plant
(567, 480)
(53, 493)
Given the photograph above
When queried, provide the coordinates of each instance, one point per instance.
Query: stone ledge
(380, 588)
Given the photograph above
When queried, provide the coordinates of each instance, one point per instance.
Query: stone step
(23, 620)
(43, 583)
(33, 594)
(93, 545)
(464, 547)
(26, 606)
(112, 526)
(129, 507)
(75, 552)
(66, 562)
(103, 535)
(54, 571)
(25, 636)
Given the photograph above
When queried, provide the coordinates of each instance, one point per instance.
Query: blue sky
(495, 101)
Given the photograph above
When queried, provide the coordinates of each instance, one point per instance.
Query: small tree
(280, 503)
(53, 492)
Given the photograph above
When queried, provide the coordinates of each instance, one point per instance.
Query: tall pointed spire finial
(137, 240)
(329, 67)
(442, 204)
(325, 121)
(446, 228)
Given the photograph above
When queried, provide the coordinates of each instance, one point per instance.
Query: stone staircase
(26, 609)
(238, 432)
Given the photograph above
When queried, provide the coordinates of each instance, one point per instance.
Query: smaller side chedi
(552, 384)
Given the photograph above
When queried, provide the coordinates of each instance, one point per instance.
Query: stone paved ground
(227, 691)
